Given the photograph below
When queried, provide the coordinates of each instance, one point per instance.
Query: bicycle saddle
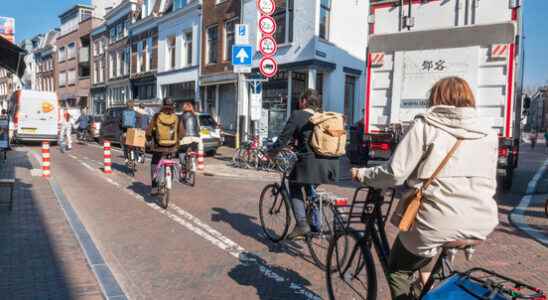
(461, 244)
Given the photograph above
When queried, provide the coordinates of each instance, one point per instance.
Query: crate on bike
(135, 137)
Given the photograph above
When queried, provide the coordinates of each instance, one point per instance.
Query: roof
(75, 8)
(12, 57)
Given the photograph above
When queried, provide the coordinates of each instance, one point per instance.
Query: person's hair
(313, 100)
(141, 106)
(130, 103)
(452, 91)
(168, 105)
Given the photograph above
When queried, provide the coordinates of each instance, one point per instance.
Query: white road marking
(211, 235)
(517, 215)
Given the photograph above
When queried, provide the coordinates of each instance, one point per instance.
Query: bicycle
(274, 204)
(188, 170)
(164, 176)
(133, 156)
(245, 156)
(357, 267)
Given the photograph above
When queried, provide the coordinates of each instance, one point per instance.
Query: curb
(110, 288)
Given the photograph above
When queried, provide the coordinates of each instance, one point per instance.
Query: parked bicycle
(245, 156)
(321, 211)
(351, 268)
(164, 176)
(188, 170)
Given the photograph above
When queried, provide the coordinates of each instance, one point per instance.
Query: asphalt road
(209, 244)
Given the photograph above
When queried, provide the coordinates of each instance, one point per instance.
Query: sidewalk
(40, 257)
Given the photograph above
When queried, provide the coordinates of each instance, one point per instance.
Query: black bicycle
(188, 168)
(352, 272)
(321, 211)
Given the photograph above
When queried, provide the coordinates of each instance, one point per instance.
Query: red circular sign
(266, 7)
(267, 25)
(268, 67)
(268, 46)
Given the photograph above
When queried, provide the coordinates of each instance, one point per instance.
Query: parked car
(110, 126)
(210, 133)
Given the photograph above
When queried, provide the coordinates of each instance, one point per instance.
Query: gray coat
(310, 167)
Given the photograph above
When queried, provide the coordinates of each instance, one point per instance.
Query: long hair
(452, 91)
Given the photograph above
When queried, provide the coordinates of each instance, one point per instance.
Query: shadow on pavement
(246, 225)
(271, 282)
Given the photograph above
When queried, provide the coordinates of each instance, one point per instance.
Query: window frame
(227, 51)
(171, 47)
(208, 46)
(328, 23)
(189, 47)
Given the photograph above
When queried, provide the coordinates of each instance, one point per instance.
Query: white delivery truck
(35, 115)
(414, 43)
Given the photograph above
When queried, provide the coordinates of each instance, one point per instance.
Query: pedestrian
(310, 169)
(83, 124)
(65, 136)
(191, 138)
(533, 138)
(164, 132)
(459, 204)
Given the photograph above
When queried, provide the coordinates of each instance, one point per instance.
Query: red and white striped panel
(499, 51)
(377, 59)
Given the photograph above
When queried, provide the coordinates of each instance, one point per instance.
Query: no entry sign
(266, 7)
(268, 67)
(268, 46)
(267, 25)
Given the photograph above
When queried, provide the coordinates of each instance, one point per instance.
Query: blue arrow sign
(242, 55)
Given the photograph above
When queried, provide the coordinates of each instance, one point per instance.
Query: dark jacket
(310, 167)
(151, 136)
(190, 122)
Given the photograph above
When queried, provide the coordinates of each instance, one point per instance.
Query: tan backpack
(329, 136)
(166, 130)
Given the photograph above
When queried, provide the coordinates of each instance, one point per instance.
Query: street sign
(266, 7)
(268, 46)
(242, 34)
(242, 58)
(267, 25)
(268, 67)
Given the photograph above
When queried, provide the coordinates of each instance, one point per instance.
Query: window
(62, 54)
(126, 55)
(71, 77)
(171, 44)
(229, 38)
(284, 20)
(141, 57)
(188, 48)
(149, 54)
(349, 98)
(112, 65)
(113, 34)
(71, 50)
(178, 4)
(325, 12)
(119, 30)
(212, 45)
(62, 78)
(119, 64)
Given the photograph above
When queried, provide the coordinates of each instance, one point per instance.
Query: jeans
(296, 194)
(401, 266)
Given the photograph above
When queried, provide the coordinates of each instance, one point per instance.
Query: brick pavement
(40, 257)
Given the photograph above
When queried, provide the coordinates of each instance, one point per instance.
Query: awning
(12, 57)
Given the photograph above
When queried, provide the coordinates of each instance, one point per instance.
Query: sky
(36, 16)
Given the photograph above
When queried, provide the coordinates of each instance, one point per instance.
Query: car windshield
(207, 121)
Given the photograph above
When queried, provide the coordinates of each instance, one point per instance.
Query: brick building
(45, 63)
(98, 89)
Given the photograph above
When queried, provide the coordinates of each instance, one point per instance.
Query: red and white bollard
(201, 165)
(107, 158)
(45, 159)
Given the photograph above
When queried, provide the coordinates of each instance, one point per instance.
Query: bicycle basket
(482, 284)
(286, 161)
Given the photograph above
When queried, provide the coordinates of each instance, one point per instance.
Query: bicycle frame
(166, 167)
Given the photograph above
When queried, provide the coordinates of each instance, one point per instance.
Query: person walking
(164, 132)
(310, 169)
(65, 135)
(459, 204)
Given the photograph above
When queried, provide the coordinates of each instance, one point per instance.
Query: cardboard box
(135, 137)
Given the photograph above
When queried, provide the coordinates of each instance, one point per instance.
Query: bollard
(45, 159)
(201, 165)
(107, 158)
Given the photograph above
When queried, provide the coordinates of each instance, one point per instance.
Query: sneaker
(298, 233)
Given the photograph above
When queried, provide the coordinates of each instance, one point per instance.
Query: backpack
(166, 130)
(328, 136)
(129, 119)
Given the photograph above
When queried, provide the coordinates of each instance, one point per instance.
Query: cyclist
(310, 169)
(128, 120)
(164, 132)
(459, 204)
(191, 138)
(144, 121)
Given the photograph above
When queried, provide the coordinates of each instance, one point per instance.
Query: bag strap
(442, 164)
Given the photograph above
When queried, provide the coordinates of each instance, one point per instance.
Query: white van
(35, 115)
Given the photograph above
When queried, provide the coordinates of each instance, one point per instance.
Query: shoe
(298, 233)
(154, 191)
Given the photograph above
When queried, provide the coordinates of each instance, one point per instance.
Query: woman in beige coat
(459, 204)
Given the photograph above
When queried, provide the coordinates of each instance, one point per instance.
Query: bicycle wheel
(190, 175)
(274, 212)
(350, 271)
(164, 197)
(318, 241)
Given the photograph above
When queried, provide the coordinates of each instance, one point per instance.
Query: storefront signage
(266, 7)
